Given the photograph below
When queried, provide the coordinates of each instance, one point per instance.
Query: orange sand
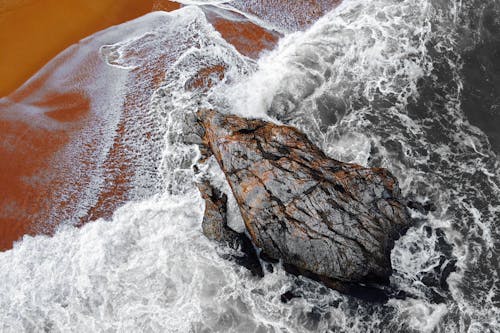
(31, 33)
(247, 37)
(34, 31)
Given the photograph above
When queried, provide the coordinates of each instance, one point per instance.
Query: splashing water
(375, 82)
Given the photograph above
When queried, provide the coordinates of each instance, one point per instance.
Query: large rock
(332, 219)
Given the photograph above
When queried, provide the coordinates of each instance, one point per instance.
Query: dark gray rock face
(336, 220)
(215, 227)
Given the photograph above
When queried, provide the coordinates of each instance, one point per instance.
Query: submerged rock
(335, 220)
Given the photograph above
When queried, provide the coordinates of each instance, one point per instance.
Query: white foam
(421, 316)
(150, 268)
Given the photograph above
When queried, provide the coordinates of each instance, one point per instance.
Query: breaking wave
(374, 82)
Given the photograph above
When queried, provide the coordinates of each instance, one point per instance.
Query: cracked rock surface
(215, 228)
(333, 219)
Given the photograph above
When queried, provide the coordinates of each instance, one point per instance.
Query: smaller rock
(215, 228)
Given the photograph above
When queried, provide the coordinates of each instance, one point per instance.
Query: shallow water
(382, 83)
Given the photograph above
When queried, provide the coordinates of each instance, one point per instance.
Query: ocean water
(388, 83)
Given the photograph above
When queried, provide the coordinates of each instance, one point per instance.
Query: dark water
(481, 68)
(411, 110)
(410, 85)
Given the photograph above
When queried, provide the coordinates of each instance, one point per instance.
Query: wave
(378, 83)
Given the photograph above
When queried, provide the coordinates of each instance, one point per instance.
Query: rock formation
(334, 220)
(215, 227)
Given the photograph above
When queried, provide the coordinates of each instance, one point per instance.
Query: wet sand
(247, 37)
(289, 15)
(42, 120)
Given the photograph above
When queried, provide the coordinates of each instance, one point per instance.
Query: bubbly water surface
(377, 82)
